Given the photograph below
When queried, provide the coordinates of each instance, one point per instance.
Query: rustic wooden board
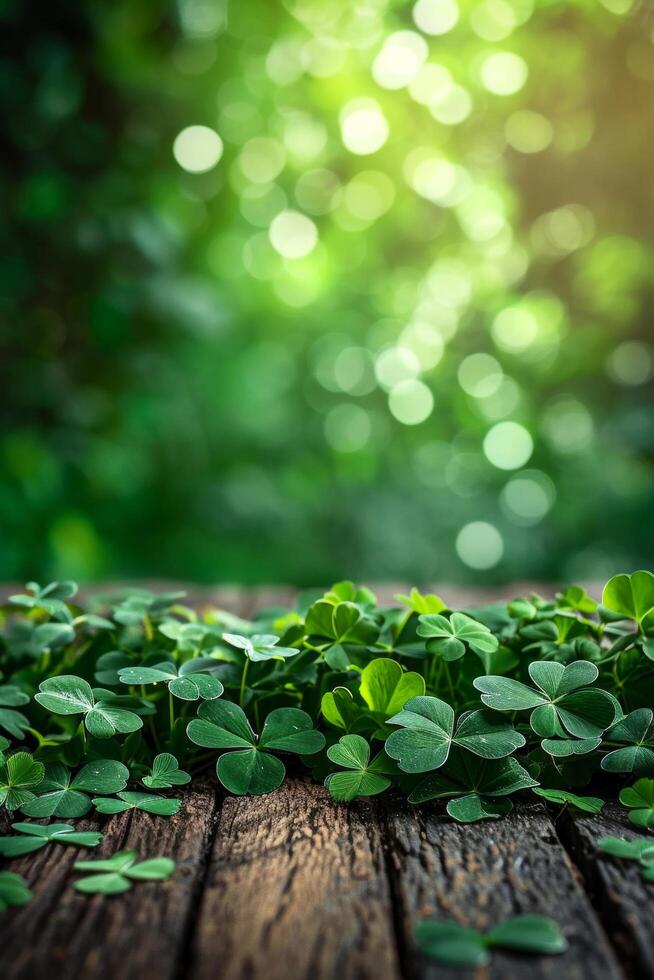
(296, 888)
(620, 895)
(478, 874)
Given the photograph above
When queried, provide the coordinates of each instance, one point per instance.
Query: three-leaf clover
(190, 682)
(13, 722)
(639, 798)
(70, 695)
(363, 777)
(449, 637)
(428, 733)
(148, 802)
(50, 598)
(36, 835)
(343, 622)
(19, 774)
(250, 767)
(61, 794)
(114, 875)
(632, 596)
(563, 703)
(165, 773)
(589, 804)
(638, 754)
(261, 646)
(455, 945)
(13, 890)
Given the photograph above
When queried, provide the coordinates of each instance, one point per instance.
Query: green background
(184, 395)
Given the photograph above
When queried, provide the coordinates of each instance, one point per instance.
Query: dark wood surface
(294, 886)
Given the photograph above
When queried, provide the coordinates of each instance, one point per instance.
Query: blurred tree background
(300, 289)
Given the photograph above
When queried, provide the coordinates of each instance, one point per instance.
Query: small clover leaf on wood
(459, 946)
(634, 732)
(428, 733)
(640, 849)
(114, 875)
(13, 890)
(260, 647)
(19, 774)
(363, 777)
(249, 766)
(61, 794)
(632, 596)
(165, 773)
(35, 836)
(343, 622)
(562, 705)
(190, 682)
(639, 798)
(589, 804)
(70, 695)
(450, 637)
(148, 802)
(477, 781)
(13, 722)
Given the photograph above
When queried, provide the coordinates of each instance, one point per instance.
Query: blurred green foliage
(384, 314)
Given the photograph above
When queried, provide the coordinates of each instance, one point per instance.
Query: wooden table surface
(294, 886)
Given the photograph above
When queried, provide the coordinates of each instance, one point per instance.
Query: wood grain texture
(296, 890)
(478, 875)
(619, 893)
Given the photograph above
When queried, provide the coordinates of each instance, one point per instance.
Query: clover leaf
(19, 774)
(589, 804)
(165, 773)
(341, 710)
(640, 848)
(50, 598)
(565, 748)
(190, 682)
(459, 946)
(13, 890)
(148, 802)
(261, 646)
(61, 794)
(249, 766)
(632, 596)
(343, 622)
(363, 778)
(639, 798)
(633, 731)
(70, 695)
(36, 836)
(428, 733)
(562, 704)
(422, 604)
(114, 875)
(386, 687)
(13, 722)
(450, 637)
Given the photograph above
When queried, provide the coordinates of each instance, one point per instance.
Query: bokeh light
(197, 149)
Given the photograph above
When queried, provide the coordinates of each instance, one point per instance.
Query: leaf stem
(171, 711)
(243, 679)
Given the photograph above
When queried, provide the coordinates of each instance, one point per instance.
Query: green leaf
(35, 836)
(632, 596)
(340, 623)
(640, 848)
(148, 802)
(63, 795)
(363, 778)
(386, 687)
(19, 774)
(13, 890)
(250, 772)
(466, 774)
(165, 773)
(450, 637)
(112, 876)
(260, 647)
(589, 804)
(451, 944)
(291, 730)
(339, 708)
(639, 798)
(419, 603)
(470, 809)
(633, 730)
(528, 934)
(221, 725)
(65, 695)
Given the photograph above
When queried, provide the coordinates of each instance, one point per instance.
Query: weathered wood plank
(478, 875)
(66, 935)
(619, 893)
(296, 889)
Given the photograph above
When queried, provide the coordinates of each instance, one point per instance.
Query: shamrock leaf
(449, 637)
(165, 773)
(36, 836)
(252, 769)
(639, 798)
(189, 683)
(63, 795)
(632, 730)
(632, 596)
(340, 623)
(477, 782)
(563, 704)
(363, 778)
(459, 946)
(50, 598)
(13, 890)
(13, 722)
(419, 603)
(340, 709)
(114, 875)
(70, 695)
(261, 646)
(148, 802)
(564, 748)
(589, 804)
(386, 687)
(428, 734)
(19, 774)
(639, 849)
